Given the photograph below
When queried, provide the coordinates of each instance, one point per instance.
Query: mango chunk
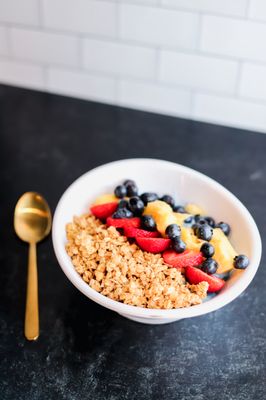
(162, 214)
(224, 251)
(105, 198)
(194, 209)
(191, 240)
(180, 218)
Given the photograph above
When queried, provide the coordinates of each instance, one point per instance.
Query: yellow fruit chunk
(194, 209)
(162, 214)
(180, 218)
(224, 251)
(191, 240)
(105, 198)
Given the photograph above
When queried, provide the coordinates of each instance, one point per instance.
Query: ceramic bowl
(186, 185)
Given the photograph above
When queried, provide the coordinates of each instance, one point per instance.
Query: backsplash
(199, 59)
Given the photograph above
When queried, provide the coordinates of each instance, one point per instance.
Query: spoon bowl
(32, 218)
(32, 222)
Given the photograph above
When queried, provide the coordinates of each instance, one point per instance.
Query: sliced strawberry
(195, 276)
(123, 222)
(102, 211)
(136, 232)
(189, 258)
(153, 245)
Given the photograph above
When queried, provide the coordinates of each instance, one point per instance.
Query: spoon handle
(32, 309)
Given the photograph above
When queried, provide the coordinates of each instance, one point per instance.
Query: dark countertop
(85, 351)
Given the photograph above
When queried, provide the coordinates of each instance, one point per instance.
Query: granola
(114, 267)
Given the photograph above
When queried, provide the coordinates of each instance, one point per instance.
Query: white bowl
(186, 185)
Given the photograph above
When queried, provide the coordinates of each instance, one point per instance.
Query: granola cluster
(123, 272)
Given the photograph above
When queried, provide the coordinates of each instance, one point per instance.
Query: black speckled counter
(85, 351)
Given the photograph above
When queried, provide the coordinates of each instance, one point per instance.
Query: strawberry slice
(153, 245)
(195, 276)
(102, 211)
(131, 232)
(123, 222)
(189, 258)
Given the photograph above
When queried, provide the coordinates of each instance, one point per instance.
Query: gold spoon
(32, 222)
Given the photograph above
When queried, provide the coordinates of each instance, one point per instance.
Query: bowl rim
(210, 305)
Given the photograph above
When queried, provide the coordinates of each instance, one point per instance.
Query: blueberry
(207, 250)
(148, 223)
(178, 245)
(132, 189)
(136, 205)
(189, 220)
(210, 221)
(123, 204)
(168, 199)
(209, 266)
(148, 197)
(204, 232)
(129, 182)
(122, 213)
(179, 209)
(173, 231)
(225, 227)
(241, 262)
(199, 219)
(120, 191)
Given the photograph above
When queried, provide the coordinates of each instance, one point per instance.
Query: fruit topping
(207, 250)
(210, 221)
(195, 276)
(209, 266)
(179, 209)
(136, 205)
(123, 204)
(241, 262)
(102, 211)
(132, 232)
(178, 245)
(148, 197)
(173, 231)
(192, 208)
(132, 189)
(153, 245)
(204, 232)
(148, 223)
(183, 260)
(122, 213)
(105, 198)
(123, 222)
(168, 199)
(225, 227)
(120, 191)
(224, 251)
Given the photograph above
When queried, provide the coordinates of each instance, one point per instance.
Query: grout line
(157, 64)
(118, 21)
(9, 42)
(80, 46)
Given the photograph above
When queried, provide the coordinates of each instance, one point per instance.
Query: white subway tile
(151, 97)
(119, 59)
(93, 16)
(3, 41)
(197, 71)
(229, 111)
(19, 11)
(228, 7)
(20, 74)
(253, 81)
(44, 47)
(257, 9)
(158, 26)
(79, 84)
(235, 38)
